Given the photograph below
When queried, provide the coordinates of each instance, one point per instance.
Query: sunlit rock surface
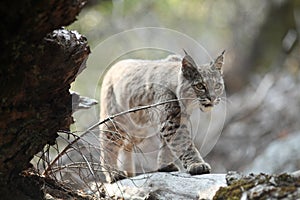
(162, 185)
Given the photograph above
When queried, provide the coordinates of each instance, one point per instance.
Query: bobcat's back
(124, 79)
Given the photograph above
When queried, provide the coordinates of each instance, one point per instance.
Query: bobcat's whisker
(195, 101)
(225, 100)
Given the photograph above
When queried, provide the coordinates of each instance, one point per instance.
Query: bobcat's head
(206, 81)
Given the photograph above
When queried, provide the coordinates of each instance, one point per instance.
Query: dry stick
(75, 165)
(92, 172)
(104, 121)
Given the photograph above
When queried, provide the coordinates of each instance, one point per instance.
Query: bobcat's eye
(218, 86)
(199, 87)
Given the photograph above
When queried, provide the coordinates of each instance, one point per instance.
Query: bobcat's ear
(189, 67)
(219, 61)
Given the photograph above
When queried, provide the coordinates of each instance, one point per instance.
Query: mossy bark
(37, 67)
(260, 186)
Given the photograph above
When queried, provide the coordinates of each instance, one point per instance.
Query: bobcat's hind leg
(111, 143)
(166, 159)
(126, 159)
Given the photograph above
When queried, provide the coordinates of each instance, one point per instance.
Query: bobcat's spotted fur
(133, 83)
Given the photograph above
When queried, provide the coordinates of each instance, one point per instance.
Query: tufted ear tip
(188, 67)
(185, 52)
(220, 61)
(188, 61)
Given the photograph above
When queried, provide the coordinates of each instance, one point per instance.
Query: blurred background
(261, 131)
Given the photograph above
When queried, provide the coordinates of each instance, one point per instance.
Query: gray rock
(160, 185)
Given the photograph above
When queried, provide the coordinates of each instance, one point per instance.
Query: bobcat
(132, 83)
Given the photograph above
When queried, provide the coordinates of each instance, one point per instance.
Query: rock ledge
(160, 185)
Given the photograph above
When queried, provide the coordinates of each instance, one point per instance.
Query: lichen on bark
(260, 186)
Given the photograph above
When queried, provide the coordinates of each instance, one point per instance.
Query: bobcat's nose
(212, 99)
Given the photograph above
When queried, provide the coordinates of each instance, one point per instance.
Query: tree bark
(37, 67)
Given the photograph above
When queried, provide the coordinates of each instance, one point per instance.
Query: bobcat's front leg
(166, 159)
(176, 135)
(182, 146)
(188, 153)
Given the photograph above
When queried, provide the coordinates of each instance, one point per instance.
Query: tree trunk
(37, 67)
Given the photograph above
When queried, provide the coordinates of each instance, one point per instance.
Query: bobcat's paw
(116, 176)
(171, 167)
(199, 168)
